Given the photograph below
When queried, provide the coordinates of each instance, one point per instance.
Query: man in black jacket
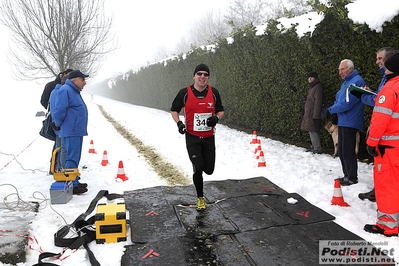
(49, 87)
(45, 99)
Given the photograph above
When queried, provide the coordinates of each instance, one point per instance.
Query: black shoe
(309, 150)
(369, 195)
(83, 185)
(79, 190)
(347, 182)
(374, 229)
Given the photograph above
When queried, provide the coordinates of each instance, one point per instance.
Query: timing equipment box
(110, 221)
(65, 174)
(61, 192)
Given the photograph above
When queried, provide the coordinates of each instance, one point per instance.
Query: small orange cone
(258, 148)
(258, 154)
(254, 137)
(121, 172)
(91, 149)
(104, 161)
(262, 162)
(338, 199)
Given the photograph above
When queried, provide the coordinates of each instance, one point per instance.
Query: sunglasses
(202, 73)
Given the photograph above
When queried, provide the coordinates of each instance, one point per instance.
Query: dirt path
(164, 169)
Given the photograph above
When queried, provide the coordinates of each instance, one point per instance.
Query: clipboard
(353, 87)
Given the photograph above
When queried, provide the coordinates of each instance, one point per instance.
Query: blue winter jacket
(53, 96)
(369, 99)
(349, 108)
(70, 112)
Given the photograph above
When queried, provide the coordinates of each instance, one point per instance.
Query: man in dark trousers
(59, 142)
(202, 109)
(350, 112)
(48, 88)
(311, 121)
(45, 99)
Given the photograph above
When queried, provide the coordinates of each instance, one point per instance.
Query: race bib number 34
(200, 121)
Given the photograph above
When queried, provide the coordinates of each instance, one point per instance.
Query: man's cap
(76, 74)
(392, 63)
(313, 75)
(202, 67)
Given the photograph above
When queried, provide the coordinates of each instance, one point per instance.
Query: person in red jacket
(202, 110)
(383, 145)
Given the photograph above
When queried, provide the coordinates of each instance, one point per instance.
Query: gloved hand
(334, 119)
(372, 151)
(328, 114)
(357, 94)
(212, 121)
(382, 149)
(54, 127)
(182, 127)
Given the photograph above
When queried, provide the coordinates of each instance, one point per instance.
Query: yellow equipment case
(110, 221)
(67, 174)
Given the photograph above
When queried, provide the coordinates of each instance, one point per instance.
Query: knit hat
(313, 75)
(202, 67)
(392, 63)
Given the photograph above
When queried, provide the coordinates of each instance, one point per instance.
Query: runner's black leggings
(202, 155)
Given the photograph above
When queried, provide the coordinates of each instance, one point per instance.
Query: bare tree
(205, 30)
(52, 35)
(162, 53)
(208, 29)
(182, 46)
(240, 13)
(290, 8)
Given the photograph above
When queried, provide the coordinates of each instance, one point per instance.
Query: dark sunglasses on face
(202, 73)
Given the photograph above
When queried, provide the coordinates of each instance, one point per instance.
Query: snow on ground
(288, 166)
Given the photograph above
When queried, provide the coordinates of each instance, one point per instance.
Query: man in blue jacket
(70, 117)
(350, 112)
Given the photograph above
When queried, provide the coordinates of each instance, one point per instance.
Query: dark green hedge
(262, 78)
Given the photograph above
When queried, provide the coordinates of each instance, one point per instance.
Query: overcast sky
(142, 27)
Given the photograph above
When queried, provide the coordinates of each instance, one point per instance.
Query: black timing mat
(247, 222)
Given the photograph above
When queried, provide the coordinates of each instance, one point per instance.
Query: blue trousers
(73, 146)
(61, 155)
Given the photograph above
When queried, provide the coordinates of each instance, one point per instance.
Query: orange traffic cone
(258, 148)
(121, 172)
(258, 154)
(91, 149)
(262, 162)
(104, 161)
(254, 137)
(338, 199)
